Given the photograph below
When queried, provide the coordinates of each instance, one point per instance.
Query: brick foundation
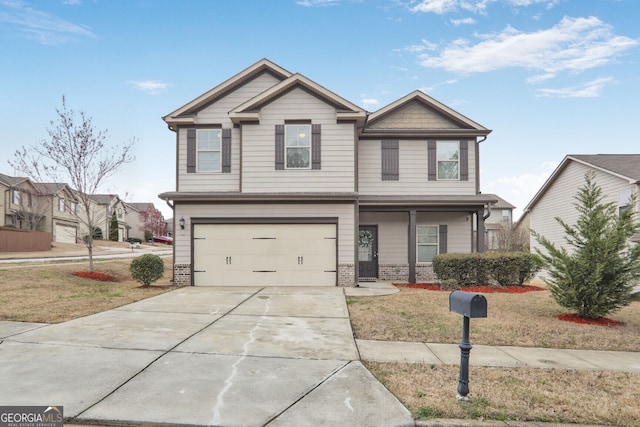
(346, 274)
(400, 272)
(182, 274)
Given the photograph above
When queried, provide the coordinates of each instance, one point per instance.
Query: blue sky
(550, 77)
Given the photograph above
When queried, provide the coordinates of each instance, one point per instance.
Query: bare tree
(77, 153)
(509, 238)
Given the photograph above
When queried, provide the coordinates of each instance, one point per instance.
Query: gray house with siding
(280, 181)
(618, 175)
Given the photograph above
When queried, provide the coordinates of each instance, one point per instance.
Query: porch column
(412, 246)
(480, 237)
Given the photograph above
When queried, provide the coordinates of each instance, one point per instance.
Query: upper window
(61, 205)
(16, 197)
(624, 201)
(73, 207)
(298, 146)
(448, 153)
(209, 150)
(427, 242)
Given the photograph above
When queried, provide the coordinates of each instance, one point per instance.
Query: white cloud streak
(152, 87)
(573, 45)
(41, 26)
(591, 89)
(312, 3)
(440, 7)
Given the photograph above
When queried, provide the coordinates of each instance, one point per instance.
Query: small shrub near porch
(505, 269)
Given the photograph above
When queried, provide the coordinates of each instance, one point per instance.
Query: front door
(368, 251)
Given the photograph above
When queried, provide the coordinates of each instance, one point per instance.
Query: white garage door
(65, 234)
(264, 254)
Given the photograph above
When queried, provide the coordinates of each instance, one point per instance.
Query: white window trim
(17, 197)
(418, 244)
(208, 150)
(286, 147)
(61, 204)
(457, 178)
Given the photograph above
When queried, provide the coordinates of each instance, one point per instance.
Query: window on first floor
(427, 241)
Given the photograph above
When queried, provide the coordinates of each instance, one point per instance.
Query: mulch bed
(94, 275)
(483, 289)
(598, 321)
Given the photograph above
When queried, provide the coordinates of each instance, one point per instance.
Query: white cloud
(369, 102)
(312, 3)
(41, 26)
(591, 89)
(441, 7)
(520, 189)
(465, 21)
(152, 87)
(418, 48)
(573, 45)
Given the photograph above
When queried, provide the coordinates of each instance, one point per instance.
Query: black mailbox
(468, 304)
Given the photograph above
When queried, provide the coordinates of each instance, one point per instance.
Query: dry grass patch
(564, 396)
(51, 293)
(526, 320)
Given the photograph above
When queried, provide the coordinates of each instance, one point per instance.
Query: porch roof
(466, 201)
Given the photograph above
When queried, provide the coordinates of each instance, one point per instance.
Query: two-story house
(20, 205)
(102, 209)
(280, 181)
(61, 211)
(618, 175)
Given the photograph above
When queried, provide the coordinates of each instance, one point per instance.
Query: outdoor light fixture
(182, 223)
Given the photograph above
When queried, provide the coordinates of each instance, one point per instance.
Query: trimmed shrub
(147, 268)
(505, 269)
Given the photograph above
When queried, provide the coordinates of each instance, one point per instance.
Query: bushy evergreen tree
(598, 276)
(113, 227)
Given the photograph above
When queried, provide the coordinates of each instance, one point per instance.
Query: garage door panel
(265, 254)
(65, 233)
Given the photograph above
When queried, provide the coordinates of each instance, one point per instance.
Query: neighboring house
(134, 220)
(21, 205)
(283, 182)
(103, 206)
(618, 175)
(501, 216)
(62, 212)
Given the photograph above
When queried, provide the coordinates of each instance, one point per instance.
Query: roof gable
(241, 78)
(249, 111)
(624, 166)
(12, 181)
(417, 112)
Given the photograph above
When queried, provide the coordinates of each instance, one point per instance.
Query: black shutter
(390, 160)
(226, 150)
(316, 146)
(442, 239)
(191, 150)
(432, 161)
(464, 160)
(279, 147)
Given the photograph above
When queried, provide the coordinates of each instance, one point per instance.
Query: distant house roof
(12, 181)
(51, 188)
(501, 204)
(102, 199)
(140, 207)
(624, 166)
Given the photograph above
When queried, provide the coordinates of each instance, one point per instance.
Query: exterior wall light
(181, 223)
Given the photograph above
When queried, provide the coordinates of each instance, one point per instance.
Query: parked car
(163, 239)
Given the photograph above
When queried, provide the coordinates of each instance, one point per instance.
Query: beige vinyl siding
(217, 114)
(337, 141)
(209, 181)
(344, 213)
(393, 232)
(413, 179)
(559, 201)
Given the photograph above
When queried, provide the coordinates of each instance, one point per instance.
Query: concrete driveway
(202, 356)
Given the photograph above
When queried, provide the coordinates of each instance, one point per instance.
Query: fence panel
(15, 240)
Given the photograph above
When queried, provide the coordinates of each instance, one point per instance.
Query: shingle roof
(11, 181)
(502, 203)
(627, 165)
(141, 206)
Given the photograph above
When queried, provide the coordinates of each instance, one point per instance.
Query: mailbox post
(468, 305)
